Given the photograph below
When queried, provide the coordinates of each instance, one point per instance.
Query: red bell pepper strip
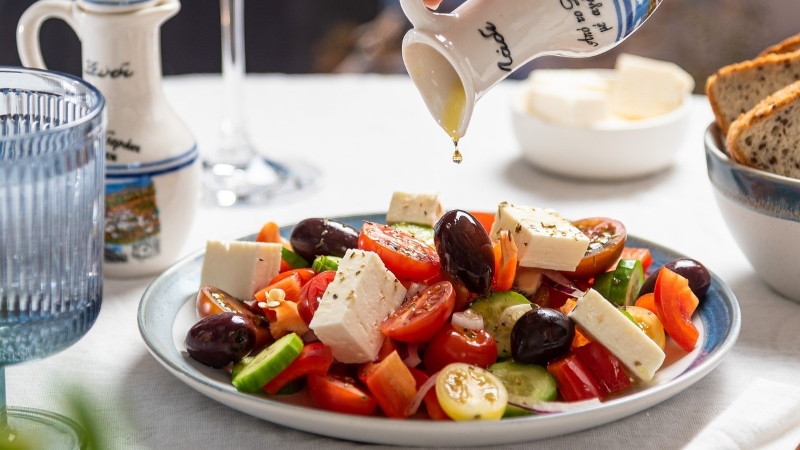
(574, 380)
(315, 358)
(605, 367)
(675, 304)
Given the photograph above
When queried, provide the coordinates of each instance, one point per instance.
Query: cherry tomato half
(340, 394)
(607, 240)
(311, 293)
(408, 258)
(451, 344)
(212, 300)
(421, 316)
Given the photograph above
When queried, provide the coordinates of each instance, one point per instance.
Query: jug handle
(419, 14)
(28, 46)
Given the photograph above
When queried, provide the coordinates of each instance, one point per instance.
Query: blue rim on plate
(166, 302)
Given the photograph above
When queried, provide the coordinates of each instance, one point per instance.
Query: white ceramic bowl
(762, 212)
(613, 150)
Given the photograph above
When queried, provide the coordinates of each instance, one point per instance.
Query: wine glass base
(262, 181)
(35, 428)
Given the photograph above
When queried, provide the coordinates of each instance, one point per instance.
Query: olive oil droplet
(456, 154)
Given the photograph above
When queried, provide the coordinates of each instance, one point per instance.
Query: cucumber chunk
(325, 263)
(491, 309)
(422, 232)
(293, 259)
(526, 384)
(621, 286)
(267, 364)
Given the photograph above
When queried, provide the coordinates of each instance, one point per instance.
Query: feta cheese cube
(544, 238)
(351, 310)
(604, 323)
(421, 209)
(240, 268)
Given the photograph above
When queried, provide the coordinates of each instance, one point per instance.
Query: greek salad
(443, 314)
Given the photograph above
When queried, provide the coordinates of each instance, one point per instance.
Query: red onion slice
(552, 407)
(562, 283)
(467, 319)
(417, 400)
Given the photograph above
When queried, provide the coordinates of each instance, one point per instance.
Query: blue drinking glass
(52, 144)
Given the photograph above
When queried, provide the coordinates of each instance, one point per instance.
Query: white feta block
(569, 97)
(604, 323)
(351, 310)
(240, 268)
(421, 209)
(544, 238)
(647, 88)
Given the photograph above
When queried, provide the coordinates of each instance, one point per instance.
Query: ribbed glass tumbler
(52, 144)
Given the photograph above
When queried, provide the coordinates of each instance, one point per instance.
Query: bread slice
(788, 45)
(768, 136)
(737, 88)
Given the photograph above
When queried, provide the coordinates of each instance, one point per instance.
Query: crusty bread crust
(767, 137)
(737, 88)
(788, 45)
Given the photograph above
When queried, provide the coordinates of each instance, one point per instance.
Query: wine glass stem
(235, 148)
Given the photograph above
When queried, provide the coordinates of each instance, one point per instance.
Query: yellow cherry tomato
(469, 392)
(649, 323)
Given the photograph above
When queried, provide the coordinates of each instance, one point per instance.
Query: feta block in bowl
(599, 124)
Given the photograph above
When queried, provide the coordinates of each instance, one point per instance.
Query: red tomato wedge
(606, 368)
(340, 394)
(505, 262)
(451, 344)
(642, 254)
(675, 303)
(291, 286)
(607, 240)
(420, 317)
(315, 358)
(311, 293)
(574, 380)
(392, 385)
(486, 219)
(408, 258)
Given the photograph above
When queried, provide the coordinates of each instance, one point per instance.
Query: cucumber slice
(268, 363)
(526, 384)
(237, 367)
(293, 259)
(324, 263)
(491, 309)
(621, 286)
(422, 232)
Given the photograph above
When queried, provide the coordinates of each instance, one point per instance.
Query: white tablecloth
(370, 136)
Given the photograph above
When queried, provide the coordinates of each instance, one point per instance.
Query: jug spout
(442, 80)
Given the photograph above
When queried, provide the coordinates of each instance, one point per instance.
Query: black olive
(697, 274)
(540, 336)
(220, 339)
(322, 237)
(465, 250)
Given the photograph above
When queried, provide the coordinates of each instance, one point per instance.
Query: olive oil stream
(451, 115)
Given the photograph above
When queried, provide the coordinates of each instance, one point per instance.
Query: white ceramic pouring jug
(152, 169)
(455, 58)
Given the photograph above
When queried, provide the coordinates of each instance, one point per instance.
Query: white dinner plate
(166, 313)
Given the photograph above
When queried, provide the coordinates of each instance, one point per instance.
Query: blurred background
(323, 36)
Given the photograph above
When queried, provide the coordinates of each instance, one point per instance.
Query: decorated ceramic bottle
(152, 167)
